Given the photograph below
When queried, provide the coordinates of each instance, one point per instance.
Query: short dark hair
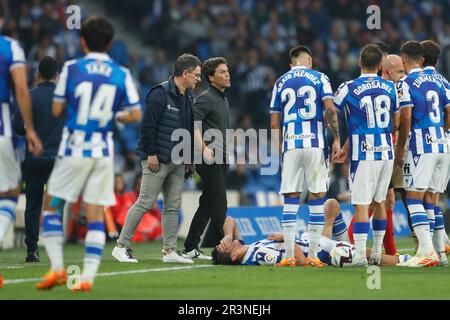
(383, 46)
(371, 56)
(186, 61)
(431, 52)
(210, 66)
(222, 257)
(98, 33)
(296, 51)
(48, 68)
(412, 49)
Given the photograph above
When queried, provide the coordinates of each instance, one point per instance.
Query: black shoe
(32, 256)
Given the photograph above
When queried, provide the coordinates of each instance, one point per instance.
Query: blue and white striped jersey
(427, 97)
(270, 252)
(370, 103)
(94, 88)
(11, 56)
(298, 95)
(433, 71)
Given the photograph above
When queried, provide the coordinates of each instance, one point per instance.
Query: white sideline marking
(110, 274)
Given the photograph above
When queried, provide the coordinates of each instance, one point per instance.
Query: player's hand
(399, 153)
(34, 143)
(227, 242)
(341, 156)
(335, 149)
(208, 154)
(153, 163)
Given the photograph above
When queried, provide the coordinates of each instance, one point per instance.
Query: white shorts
(93, 177)
(304, 167)
(425, 172)
(9, 166)
(369, 180)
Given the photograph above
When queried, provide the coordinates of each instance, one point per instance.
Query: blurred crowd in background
(254, 35)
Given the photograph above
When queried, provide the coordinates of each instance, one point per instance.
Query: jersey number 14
(98, 108)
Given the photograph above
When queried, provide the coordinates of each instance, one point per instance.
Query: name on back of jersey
(98, 67)
(297, 74)
(426, 78)
(372, 85)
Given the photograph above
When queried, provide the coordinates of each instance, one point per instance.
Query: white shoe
(375, 259)
(420, 260)
(196, 254)
(360, 262)
(123, 254)
(176, 257)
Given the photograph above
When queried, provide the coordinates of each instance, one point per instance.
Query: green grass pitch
(153, 279)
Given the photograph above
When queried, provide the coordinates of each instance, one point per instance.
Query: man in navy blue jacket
(36, 169)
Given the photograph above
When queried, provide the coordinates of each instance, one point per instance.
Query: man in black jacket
(169, 107)
(211, 110)
(36, 169)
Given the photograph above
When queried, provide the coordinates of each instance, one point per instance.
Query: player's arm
(129, 116)
(447, 108)
(333, 122)
(19, 78)
(275, 117)
(405, 105)
(230, 231)
(58, 108)
(405, 127)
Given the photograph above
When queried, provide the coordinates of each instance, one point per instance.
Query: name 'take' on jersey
(298, 95)
(94, 89)
(426, 95)
(370, 103)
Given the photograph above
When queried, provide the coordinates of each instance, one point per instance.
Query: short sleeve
(396, 104)
(267, 256)
(17, 55)
(131, 97)
(275, 100)
(326, 90)
(404, 94)
(61, 85)
(340, 95)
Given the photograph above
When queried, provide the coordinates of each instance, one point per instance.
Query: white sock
(289, 230)
(289, 224)
(94, 244)
(360, 244)
(438, 241)
(378, 237)
(7, 214)
(429, 209)
(54, 239)
(315, 232)
(425, 242)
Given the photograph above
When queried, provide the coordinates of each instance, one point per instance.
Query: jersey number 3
(98, 108)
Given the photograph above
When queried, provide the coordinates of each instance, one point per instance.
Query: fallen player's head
(228, 255)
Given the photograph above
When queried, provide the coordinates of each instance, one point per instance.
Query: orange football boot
(1, 281)
(314, 263)
(82, 286)
(52, 279)
(289, 262)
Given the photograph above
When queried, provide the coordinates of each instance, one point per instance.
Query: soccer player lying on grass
(270, 251)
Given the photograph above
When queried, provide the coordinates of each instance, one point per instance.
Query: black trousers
(212, 204)
(36, 172)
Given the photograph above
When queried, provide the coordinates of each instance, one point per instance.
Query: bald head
(392, 68)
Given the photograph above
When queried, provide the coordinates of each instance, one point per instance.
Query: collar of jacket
(174, 89)
(222, 93)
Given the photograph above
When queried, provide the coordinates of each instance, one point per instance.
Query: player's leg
(379, 209)
(331, 213)
(151, 185)
(390, 260)
(389, 241)
(98, 192)
(68, 177)
(428, 204)
(438, 184)
(363, 181)
(292, 179)
(316, 175)
(422, 169)
(10, 177)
